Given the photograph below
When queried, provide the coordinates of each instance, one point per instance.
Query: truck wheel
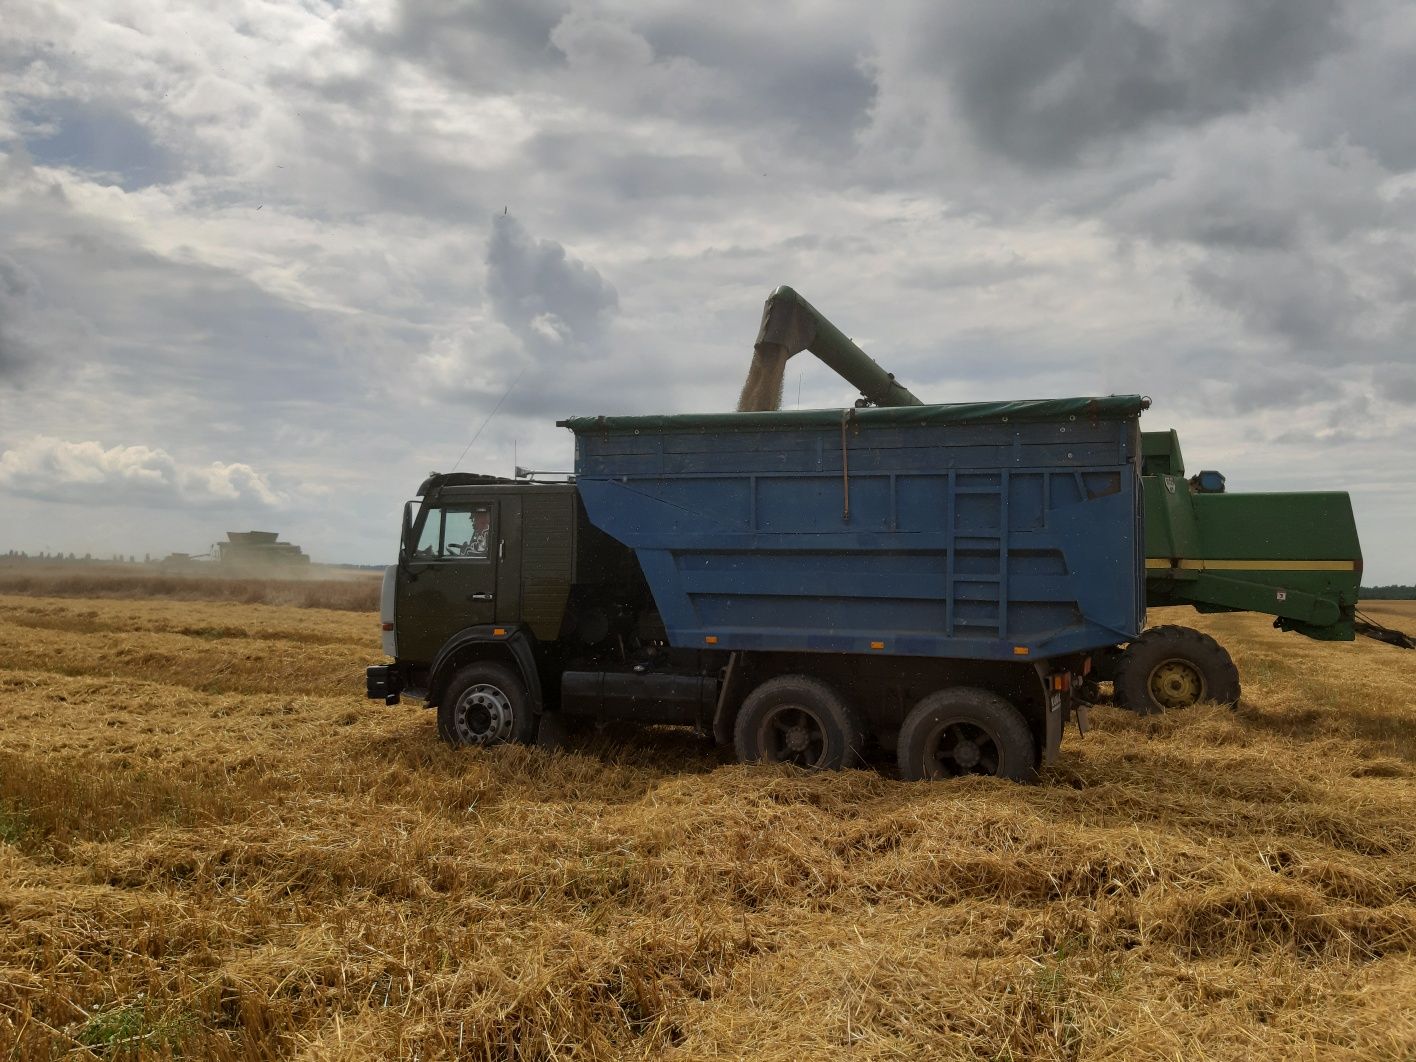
(1171, 667)
(801, 720)
(966, 731)
(486, 704)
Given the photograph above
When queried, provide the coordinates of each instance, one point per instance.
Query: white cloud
(50, 469)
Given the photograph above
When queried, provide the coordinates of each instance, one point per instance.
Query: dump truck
(947, 583)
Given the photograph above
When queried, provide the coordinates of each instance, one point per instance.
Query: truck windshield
(460, 533)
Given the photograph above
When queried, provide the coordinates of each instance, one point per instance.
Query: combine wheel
(486, 704)
(1168, 668)
(800, 720)
(966, 731)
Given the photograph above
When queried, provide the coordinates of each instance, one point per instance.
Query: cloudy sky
(265, 264)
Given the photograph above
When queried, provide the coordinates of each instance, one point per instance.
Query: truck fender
(517, 642)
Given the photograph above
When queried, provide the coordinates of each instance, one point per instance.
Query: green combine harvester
(1293, 556)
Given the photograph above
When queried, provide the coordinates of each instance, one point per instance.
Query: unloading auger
(790, 325)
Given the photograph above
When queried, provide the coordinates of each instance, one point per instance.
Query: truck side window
(466, 533)
(455, 534)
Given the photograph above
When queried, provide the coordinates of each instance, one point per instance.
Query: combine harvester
(1293, 556)
(944, 582)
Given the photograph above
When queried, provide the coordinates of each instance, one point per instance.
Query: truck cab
(463, 561)
(510, 574)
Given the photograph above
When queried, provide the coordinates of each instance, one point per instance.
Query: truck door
(452, 574)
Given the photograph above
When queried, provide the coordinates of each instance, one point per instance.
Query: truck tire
(801, 720)
(1168, 668)
(486, 704)
(963, 730)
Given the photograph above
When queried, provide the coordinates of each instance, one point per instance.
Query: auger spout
(790, 325)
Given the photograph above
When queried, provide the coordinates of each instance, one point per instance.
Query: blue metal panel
(990, 540)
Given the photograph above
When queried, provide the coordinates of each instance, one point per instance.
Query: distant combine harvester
(258, 549)
(243, 551)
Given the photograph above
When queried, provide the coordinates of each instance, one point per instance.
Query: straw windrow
(211, 846)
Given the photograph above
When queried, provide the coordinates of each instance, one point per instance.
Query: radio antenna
(488, 419)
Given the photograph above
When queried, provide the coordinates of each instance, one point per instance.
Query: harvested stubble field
(213, 847)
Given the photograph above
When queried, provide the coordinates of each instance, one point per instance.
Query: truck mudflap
(1059, 692)
(383, 682)
(1056, 720)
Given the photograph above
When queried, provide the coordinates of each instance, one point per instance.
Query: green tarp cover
(1112, 407)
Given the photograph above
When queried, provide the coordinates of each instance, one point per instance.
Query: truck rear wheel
(1170, 667)
(966, 731)
(800, 720)
(486, 704)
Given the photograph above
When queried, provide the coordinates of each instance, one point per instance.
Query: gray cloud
(1043, 86)
(807, 88)
(1211, 142)
(1267, 390)
(17, 300)
(1309, 303)
(1236, 187)
(553, 344)
(1398, 384)
(1325, 439)
(550, 300)
(480, 45)
(806, 80)
(626, 175)
(1326, 308)
(978, 271)
(37, 337)
(1363, 96)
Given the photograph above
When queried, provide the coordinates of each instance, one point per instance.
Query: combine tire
(486, 704)
(800, 720)
(966, 731)
(1169, 668)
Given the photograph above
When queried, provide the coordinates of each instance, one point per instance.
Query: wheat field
(211, 846)
(317, 586)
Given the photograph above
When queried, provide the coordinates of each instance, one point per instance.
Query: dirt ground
(212, 846)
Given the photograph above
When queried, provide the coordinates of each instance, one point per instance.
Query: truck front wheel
(486, 704)
(966, 731)
(800, 720)
(1170, 667)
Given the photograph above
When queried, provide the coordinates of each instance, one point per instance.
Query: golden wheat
(214, 847)
(317, 587)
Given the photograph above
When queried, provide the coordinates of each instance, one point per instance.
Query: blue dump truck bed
(999, 531)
